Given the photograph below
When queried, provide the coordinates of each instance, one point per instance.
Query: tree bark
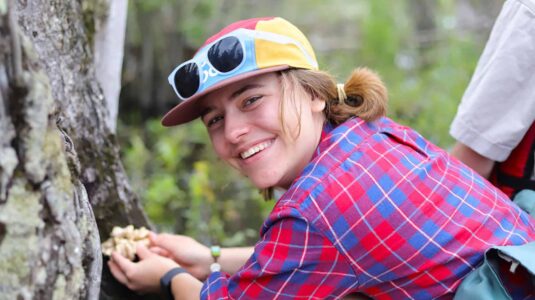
(49, 243)
(60, 169)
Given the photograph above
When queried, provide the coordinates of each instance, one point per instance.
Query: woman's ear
(317, 105)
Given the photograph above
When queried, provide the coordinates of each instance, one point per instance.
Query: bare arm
(474, 160)
(195, 257)
(186, 287)
(232, 259)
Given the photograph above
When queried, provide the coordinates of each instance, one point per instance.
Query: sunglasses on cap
(226, 57)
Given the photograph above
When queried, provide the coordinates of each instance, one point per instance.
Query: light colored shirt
(498, 106)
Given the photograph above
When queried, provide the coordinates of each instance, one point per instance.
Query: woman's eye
(214, 120)
(251, 100)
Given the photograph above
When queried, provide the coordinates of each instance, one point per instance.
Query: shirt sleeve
(291, 261)
(498, 106)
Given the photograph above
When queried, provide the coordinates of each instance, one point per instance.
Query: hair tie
(341, 93)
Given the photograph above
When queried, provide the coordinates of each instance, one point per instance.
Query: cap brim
(188, 110)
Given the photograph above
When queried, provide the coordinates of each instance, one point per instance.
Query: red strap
(515, 172)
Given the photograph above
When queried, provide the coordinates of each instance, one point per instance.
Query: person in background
(369, 206)
(495, 122)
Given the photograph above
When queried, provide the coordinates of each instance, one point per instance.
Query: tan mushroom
(125, 241)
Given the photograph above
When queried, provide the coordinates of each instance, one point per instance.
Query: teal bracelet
(215, 251)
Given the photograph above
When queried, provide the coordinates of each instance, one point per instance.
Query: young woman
(370, 206)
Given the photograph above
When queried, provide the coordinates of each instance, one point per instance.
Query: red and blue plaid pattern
(378, 210)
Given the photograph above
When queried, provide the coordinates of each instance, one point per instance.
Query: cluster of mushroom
(125, 241)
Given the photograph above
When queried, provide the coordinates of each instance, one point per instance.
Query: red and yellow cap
(243, 49)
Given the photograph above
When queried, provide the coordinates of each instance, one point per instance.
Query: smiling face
(244, 123)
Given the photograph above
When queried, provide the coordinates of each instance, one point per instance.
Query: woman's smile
(255, 149)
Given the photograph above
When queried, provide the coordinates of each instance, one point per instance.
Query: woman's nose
(235, 128)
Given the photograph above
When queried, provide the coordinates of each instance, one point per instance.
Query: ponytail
(366, 98)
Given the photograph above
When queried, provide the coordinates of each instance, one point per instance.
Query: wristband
(216, 253)
(165, 282)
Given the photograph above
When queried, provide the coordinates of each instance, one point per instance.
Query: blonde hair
(366, 97)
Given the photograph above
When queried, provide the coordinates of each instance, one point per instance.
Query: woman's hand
(143, 276)
(190, 254)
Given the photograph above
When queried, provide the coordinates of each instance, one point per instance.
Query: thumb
(153, 238)
(162, 240)
(160, 251)
(142, 251)
(122, 262)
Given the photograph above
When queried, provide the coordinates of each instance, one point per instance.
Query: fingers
(142, 276)
(142, 252)
(123, 264)
(122, 261)
(152, 236)
(117, 272)
(169, 242)
(157, 239)
(160, 251)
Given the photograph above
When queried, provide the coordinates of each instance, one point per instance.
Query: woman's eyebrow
(205, 111)
(244, 88)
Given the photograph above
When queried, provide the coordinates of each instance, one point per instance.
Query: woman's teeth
(253, 150)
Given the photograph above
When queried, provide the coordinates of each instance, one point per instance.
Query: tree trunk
(109, 44)
(49, 243)
(59, 160)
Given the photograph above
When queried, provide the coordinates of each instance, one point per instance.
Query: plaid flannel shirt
(378, 210)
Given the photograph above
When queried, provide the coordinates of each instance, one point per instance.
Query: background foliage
(424, 50)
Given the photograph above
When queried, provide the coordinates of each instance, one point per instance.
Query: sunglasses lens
(226, 54)
(187, 80)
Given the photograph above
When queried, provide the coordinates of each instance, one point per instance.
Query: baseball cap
(241, 50)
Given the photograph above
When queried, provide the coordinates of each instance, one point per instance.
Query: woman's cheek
(218, 146)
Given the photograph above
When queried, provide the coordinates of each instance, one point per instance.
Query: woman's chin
(261, 185)
(262, 182)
